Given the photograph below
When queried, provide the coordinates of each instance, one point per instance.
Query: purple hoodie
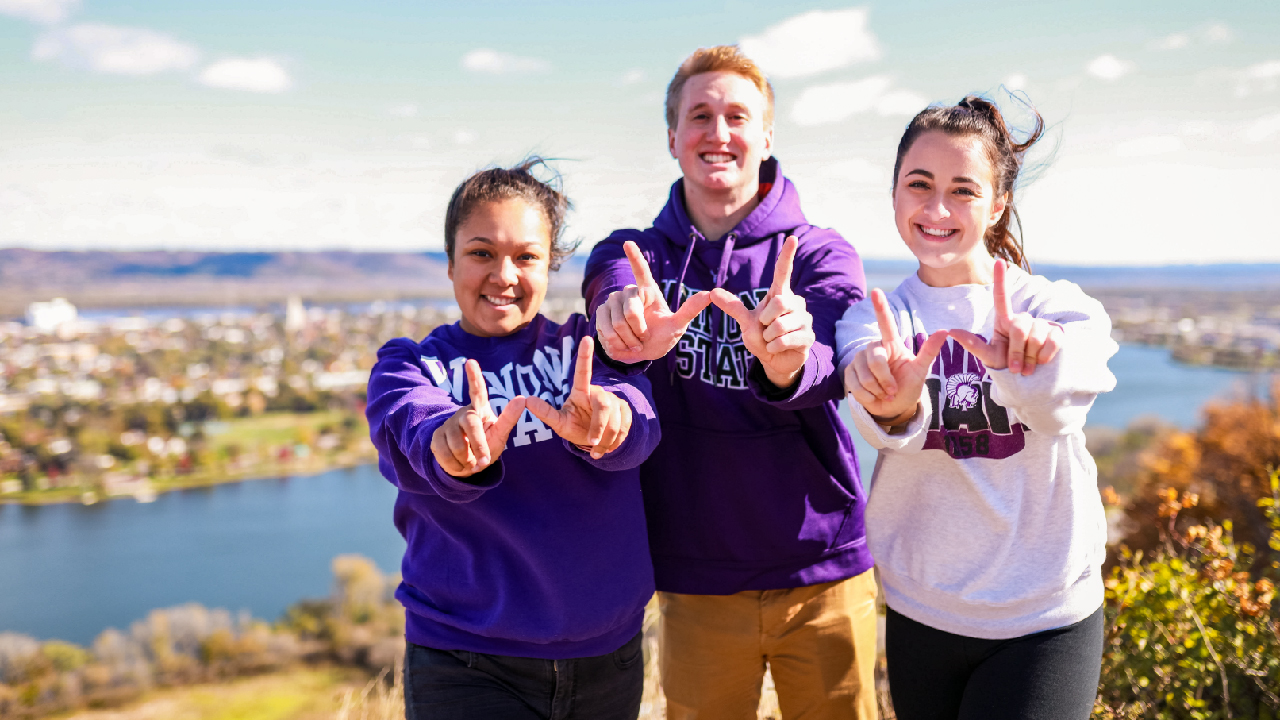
(542, 554)
(751, 488)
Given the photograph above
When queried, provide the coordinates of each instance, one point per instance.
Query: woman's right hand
(473, 438)
(885, 376)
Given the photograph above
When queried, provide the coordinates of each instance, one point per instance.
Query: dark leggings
(1051, 675)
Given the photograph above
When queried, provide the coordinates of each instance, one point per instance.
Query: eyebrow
(737, 106)
(956, 179)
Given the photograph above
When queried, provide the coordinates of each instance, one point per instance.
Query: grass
(304, 694)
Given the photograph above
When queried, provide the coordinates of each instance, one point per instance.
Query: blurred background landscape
(211, 216)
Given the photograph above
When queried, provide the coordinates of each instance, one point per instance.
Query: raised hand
(473, 438)
(635, 324)
(1019, 342)
(779, 330)
(885, 376)
(591, 417)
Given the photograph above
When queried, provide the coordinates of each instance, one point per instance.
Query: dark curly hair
(980, 117)
(497, 183)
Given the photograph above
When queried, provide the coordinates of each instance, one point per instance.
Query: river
(70, 571)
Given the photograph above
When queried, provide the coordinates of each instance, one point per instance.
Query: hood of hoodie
(778, 211)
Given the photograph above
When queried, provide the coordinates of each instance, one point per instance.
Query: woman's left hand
(592, 418)
(1020, 342)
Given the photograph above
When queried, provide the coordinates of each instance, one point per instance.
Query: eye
(480, 253)
(966, 191)
(920, 184)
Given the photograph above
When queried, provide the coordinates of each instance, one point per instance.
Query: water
(69, 571)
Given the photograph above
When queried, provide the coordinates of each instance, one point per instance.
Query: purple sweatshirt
(542, 554)
(752, 488)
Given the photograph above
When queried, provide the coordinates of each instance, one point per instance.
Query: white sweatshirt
(984, 516)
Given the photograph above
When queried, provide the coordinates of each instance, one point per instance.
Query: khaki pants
(819, 642)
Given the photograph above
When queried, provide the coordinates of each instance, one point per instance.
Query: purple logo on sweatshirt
(966, 422)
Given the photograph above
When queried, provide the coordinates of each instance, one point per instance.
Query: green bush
(1193, 630)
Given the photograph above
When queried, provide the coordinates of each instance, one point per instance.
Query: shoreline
(62, 496)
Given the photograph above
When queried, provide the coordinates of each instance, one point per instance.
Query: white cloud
(1262, 128)
(483, 60)
(1016, 81)
(900, 102)
(260, 75)
(464, 137)
(631, 77)
(812, 43)
(1176, 41)
(1218, 34)
(1152, 145)
(822, 104)
(115, 50)
(1109, 67)
(41, 11)
(1262, 77)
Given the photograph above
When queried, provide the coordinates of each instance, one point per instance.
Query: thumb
(976, 346)
(932, 346)
(732, 306)
(546, 412)
(507, 420)
(691, 307)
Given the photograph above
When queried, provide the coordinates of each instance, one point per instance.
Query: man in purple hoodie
(753, 500)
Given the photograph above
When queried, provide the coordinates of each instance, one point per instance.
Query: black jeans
(461, 685)
(1051, 675)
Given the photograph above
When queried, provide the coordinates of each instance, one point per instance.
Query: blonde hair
(722, 58)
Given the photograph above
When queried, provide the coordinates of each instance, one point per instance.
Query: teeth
(936, 233)
(717, 157)
(499, 301)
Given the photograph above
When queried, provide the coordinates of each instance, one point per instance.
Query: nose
(505, 274)
(719, 130)
(935, 208)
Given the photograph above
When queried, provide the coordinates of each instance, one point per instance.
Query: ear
(450, 272)
(997, 208)
(671, 143)
(768, 143)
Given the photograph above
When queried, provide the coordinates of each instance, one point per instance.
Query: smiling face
(501, 257)
(720, 137)
(943, 202)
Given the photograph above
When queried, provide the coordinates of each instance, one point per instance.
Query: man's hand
(591, 416)
(886, 377)
(462, 445)
(779, 330)
(635, 324)
(1020, 342)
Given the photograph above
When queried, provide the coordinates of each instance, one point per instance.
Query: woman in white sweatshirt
(973, 379)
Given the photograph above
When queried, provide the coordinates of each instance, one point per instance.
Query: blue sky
(291, 125)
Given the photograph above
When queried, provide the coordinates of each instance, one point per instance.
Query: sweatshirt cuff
(764, 389)
(910, 439)
(464, 490)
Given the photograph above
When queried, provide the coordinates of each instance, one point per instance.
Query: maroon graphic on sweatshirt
(966, 422)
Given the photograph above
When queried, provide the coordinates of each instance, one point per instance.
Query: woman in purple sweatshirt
(516, 454)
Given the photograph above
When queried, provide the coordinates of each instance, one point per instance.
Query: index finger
(476, 386)
(1003, 310)
(582, 368)
(884, 317)
(782, 269)
(639, 266)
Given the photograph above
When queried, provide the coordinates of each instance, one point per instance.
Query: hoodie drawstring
(717, 315)
(674, 302)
